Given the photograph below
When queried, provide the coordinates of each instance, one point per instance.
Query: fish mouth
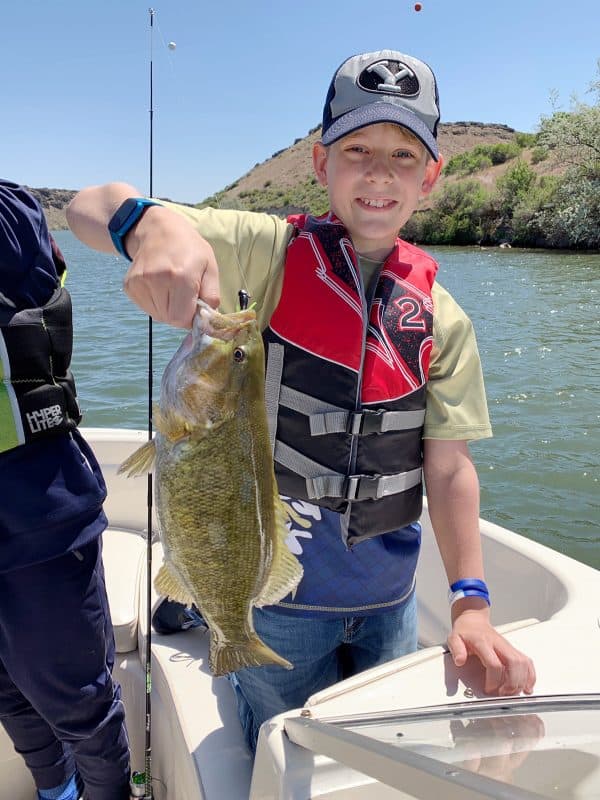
(211, 323)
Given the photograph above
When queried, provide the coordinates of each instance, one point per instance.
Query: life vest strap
(321, 482)
(327, 418)
(273, 372)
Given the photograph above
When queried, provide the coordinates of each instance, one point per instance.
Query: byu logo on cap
(392, 81)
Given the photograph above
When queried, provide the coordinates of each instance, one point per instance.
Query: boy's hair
(385, 86)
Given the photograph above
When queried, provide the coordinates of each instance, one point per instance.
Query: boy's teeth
(375, 203)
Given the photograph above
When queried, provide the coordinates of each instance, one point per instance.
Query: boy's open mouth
(376, 203)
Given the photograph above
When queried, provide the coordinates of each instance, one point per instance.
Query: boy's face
(374, 178)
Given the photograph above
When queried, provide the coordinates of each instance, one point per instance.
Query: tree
(573, 137)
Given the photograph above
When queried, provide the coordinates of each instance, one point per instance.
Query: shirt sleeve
(27, 272)
(456, 402)
(250, 249)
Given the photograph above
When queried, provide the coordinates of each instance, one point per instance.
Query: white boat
(416, 727)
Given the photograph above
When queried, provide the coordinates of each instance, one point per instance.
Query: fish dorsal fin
(139, 462)
(286, 570)
(167, 582)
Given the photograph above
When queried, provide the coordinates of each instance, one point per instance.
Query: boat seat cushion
(123, 553)
(194, 713)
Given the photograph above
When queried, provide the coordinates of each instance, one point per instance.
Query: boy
(58, 702)
(375, 377)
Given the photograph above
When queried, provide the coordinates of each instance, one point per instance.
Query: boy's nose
(379, 169)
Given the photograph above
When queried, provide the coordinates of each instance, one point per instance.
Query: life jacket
(346, 377)
(37, 390)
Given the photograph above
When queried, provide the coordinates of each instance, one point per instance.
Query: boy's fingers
(494, 671)
(457, 648)
(180, 307)
(519, 675)
(209, 285)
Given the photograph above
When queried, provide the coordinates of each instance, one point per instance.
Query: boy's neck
(374, 256)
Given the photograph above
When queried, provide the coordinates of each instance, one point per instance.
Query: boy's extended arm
(453, 500)
(172, 264)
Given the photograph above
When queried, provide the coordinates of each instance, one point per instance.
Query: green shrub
(515, 183)
(455, 219)
(526, 139)
(539, 154)
(467, 163)
(481, 157)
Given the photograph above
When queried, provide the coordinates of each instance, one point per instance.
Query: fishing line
(241, 272)
(169, 47)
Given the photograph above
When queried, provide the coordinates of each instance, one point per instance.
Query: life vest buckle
(362, 487)
(365, 422)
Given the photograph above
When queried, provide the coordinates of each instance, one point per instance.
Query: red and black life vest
(346, 376)
(37, 390)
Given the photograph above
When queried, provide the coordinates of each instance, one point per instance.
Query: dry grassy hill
(294, 164)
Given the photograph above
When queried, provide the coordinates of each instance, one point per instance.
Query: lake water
(537, 318)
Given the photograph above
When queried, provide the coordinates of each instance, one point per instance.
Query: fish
(221, 521)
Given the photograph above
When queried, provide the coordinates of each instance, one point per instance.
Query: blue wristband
(124, 218)
(469, 583)
(460, 593)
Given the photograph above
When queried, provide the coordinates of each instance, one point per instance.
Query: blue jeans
(323, 651)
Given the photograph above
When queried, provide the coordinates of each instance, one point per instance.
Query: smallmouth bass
(221, 521)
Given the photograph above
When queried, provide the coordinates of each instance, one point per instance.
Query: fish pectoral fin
(167, 582)
(286, 570)
(140, 462)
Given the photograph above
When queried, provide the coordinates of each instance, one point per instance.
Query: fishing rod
(141, 782)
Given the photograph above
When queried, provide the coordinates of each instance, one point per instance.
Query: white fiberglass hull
(547, 605)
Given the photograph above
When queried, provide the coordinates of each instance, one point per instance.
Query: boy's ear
(432, 173)
(319, 155)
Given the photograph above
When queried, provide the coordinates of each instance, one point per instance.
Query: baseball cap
(384, 86)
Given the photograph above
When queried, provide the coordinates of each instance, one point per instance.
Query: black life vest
(346, 377)
(38, 397)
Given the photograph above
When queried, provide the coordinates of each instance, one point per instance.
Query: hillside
(267, 185)
(54, 202)
(293, 165)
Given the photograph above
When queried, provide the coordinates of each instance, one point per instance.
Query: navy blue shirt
(374, 576)
(51, 492)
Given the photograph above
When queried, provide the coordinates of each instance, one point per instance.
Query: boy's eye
(404, 154)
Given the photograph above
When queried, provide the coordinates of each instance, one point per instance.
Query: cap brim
(381, 112)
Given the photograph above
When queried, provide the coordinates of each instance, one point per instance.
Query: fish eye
(239, 355)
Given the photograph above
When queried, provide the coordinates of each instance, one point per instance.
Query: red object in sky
(418, 6)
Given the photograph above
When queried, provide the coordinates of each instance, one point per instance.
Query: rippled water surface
(537, 318)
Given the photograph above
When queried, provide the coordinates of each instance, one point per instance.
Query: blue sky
(247, 78)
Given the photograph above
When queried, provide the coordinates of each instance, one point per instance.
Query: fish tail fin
(230, 657)
(139, 462)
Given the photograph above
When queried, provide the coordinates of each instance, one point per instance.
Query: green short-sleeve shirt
(250, 249)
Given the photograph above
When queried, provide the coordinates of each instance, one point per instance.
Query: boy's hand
(507, 670)
(172, 267)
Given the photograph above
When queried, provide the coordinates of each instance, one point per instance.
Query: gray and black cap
(385, 86)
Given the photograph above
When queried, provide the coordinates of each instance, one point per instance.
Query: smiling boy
(375, 177)
(375, 376)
